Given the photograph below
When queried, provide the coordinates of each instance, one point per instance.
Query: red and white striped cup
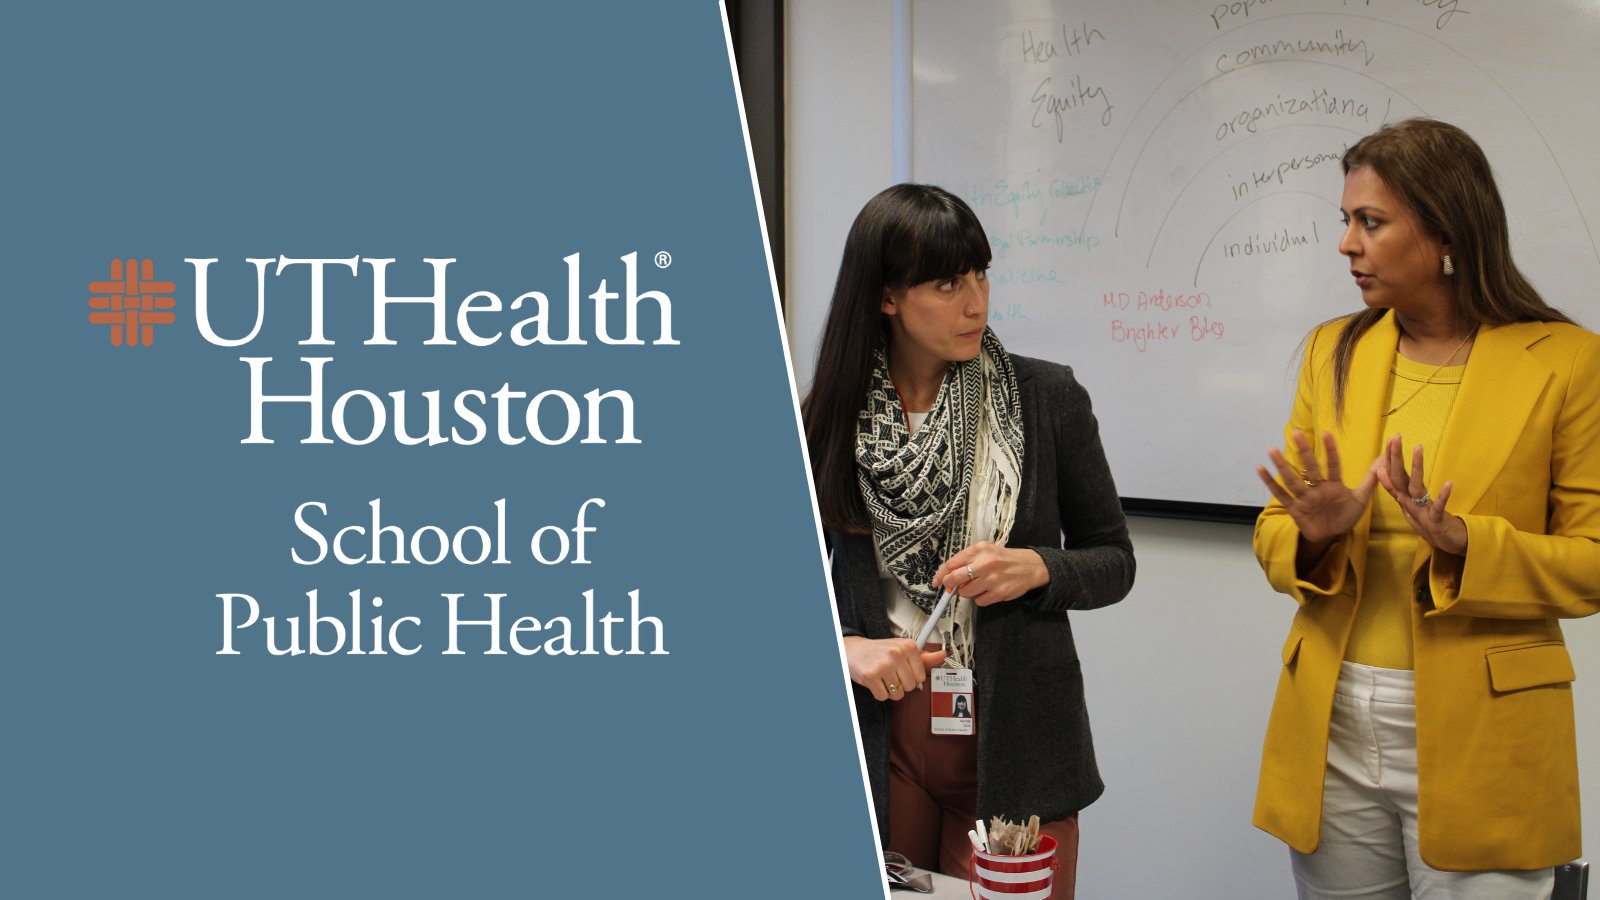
(1027, 877)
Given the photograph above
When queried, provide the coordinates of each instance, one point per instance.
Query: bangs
(940, 240)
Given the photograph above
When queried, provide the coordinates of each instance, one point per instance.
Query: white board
(1161, 181)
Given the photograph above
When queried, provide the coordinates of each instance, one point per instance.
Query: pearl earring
(1449, 267)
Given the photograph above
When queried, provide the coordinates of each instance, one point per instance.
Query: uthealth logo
(131, 302)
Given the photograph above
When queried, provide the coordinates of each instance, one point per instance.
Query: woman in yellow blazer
(1422, 741)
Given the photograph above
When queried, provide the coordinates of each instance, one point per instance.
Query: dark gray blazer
(1035, 756)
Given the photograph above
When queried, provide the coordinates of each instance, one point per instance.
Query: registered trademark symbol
(663, 259)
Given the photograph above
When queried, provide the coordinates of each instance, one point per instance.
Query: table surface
(944, 888)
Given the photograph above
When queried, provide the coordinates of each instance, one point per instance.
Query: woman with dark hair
(943, 463)
(1422, 740)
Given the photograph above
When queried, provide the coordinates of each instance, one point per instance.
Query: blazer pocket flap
(1291, 647)
(1529, 665)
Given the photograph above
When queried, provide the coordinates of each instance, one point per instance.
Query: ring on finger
(971, 574)
(894, 688)
(1424, 500)
(1309, 481)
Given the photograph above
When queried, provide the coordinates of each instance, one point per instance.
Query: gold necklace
(1429, 380)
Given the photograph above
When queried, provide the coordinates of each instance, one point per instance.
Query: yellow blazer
(1496, 749)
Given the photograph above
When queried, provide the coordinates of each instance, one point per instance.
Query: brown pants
(933, 797)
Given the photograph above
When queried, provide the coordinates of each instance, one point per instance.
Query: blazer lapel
(1501, 386)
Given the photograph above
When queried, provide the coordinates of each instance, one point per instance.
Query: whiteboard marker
(933, 617)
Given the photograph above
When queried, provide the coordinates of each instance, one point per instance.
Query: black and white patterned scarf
(919, 489)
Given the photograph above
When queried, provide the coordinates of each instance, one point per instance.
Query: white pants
(1369, 806)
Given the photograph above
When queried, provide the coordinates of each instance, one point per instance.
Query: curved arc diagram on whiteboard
(1180, 325)
(1110, 160)
(1202, 260)
(1139, 157)
(1127, 183)
(1206, 165)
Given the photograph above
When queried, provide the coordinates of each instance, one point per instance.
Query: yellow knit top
(1381, 634)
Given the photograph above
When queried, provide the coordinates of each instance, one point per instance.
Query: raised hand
(1425, 513)
(1319, 502)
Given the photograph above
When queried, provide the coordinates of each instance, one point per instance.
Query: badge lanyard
(954, 710)
(953, 704)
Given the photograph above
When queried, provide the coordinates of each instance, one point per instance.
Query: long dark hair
(1442, 175)
(906, 235)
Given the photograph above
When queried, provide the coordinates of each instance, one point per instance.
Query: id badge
(950, 692)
